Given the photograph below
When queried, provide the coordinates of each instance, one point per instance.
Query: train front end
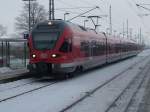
(50, 47)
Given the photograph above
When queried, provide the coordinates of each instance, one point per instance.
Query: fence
(13, 53)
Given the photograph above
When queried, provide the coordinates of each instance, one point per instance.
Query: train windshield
(45, 40)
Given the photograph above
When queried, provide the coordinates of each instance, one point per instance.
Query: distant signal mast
(51, 10)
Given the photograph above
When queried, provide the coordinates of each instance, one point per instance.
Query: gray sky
(121, 11)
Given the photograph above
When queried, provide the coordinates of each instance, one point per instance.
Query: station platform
(11, 74)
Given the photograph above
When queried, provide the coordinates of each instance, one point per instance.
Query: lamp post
(85, 22)
(107, 31)
(65, 15)
(115, 33)
(29, 13)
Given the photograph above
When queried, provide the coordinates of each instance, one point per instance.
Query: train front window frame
(45, 40)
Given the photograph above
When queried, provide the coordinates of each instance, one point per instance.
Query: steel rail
(21, 85)
(136, 78)
(30, 91)
(135, 92)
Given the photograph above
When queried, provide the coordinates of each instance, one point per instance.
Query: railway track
(123, 101)
(14, 75)
(89, 93)
(13, 85)
(34, 87)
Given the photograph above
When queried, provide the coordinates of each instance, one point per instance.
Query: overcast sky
(121, 11)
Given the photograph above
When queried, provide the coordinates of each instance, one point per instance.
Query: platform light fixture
(65, 14)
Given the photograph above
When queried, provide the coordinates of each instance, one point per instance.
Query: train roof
(80, 28)
(53, 21)
(66, 23)
(113, 38)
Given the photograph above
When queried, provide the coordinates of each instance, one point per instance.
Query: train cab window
(66, 46)
(45, 40)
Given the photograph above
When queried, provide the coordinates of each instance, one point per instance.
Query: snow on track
(5, 70)
(105, 97)
(136, 101)
(15, 84)
(21, 90)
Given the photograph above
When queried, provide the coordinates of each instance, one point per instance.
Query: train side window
(66, 46)
(85, 47)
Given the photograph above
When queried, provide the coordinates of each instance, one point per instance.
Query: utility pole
(110, 20)
(127, 29)
(123, 29)
(140, 35)
(131, 30)
(51, 10)
(2, 51)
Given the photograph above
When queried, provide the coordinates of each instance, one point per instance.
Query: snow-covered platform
(7, 73)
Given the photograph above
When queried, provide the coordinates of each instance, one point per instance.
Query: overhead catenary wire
(145, 26)
(65, 3)
(84, 13)
(137, 14)
(87, 2)
(72, 9)
(73, 12)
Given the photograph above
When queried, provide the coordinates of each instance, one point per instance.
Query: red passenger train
(58, 47)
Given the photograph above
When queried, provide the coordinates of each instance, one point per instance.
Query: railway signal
(51, 10)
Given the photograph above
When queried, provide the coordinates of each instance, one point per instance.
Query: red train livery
(59, 47)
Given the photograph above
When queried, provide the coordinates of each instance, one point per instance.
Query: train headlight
(33, 56)
(54, 55)
(50, 23)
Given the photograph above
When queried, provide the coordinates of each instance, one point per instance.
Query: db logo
(44, 55)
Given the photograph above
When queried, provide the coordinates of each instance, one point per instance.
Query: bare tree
(38, 13)
(3, 30)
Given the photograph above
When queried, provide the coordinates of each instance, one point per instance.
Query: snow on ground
(145, 53)
(5, 69)
(137, 100)
(103, 98)
(7, 86)
(4, 94)
(58, 96)
(18, 63)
